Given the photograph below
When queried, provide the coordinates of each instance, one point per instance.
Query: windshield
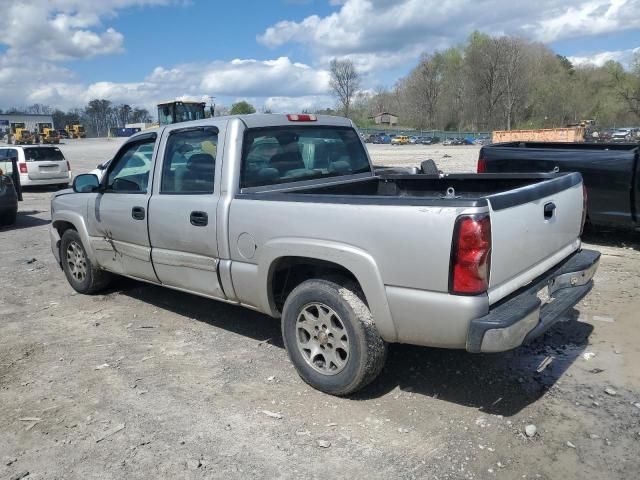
(40, 154)
(189, 111)
(289, 154)
(171, 113)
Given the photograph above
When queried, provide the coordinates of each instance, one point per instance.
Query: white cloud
(298, 104)
(39, 34)
(598, 59)
(279, 84)
(53, 30)
(378, 28)
(586, 18)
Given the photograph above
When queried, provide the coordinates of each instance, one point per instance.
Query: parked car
(484, 140)
(622, 135)
(9, 190)
(400, 140)
(298, 236)
(610, 173)
(39, 164)
(382, 139)
(429, 140)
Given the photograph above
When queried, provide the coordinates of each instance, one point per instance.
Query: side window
(129, 172)
(190, 162)
(6, 155)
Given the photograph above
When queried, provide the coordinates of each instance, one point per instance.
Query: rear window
(40, 154)
(290, 154)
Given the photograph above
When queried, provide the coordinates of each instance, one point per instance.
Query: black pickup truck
(611, 173)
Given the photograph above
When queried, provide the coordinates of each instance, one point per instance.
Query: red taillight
(482, 165)
(68, 165)
(301, 117)
(22, 167)
(584, 208)
(470, 255)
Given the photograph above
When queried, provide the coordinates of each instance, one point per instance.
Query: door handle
(137, 213)
(199, 219)
(549, 210)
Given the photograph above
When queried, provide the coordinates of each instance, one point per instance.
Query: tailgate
(47, 170)
(532, 229)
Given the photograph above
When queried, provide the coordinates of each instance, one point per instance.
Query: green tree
(242, 108)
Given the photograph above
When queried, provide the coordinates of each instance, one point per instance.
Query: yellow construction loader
(46, 133)
(21, 135)
(75, 131)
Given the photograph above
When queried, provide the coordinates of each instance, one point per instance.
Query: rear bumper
(25, 181)
(522, 316)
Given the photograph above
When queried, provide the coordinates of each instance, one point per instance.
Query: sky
(272, 53)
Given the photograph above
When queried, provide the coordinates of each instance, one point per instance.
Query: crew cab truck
(284, 214)
(611, 173)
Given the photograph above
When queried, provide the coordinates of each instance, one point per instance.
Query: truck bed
(457, 190)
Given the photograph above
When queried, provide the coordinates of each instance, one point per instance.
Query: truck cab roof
(256, 120)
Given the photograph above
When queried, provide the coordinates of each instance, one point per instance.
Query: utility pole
(212, 107)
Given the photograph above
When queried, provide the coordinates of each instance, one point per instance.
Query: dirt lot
(143, 382)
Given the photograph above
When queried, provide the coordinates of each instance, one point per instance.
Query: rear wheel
(82, 275)
(331, 338)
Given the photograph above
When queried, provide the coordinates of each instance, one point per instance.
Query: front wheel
(82, 275)
(330, 337)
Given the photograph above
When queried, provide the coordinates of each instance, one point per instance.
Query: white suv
(38, 165)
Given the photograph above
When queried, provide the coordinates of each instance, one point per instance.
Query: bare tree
(424, 88)
(513, 75)
(484, 62)
(345, 82)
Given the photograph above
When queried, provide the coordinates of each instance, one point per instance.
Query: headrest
(200, 161)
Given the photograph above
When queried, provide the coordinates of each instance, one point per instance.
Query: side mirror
(86, 183)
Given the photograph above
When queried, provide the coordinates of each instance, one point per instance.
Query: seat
(198, 175)
(286, 161)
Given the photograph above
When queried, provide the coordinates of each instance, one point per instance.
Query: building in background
(30, 121)
(385, 118)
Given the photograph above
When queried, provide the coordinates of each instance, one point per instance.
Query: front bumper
(522, 316)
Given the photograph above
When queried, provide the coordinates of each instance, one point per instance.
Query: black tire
(366, 352)
(8, 218)
(93, 280)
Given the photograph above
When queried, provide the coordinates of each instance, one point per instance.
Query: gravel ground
(142, 382)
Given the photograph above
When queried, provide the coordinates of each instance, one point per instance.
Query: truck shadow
(26, 219)
(611, 237)
(232, 318)
(499, 384)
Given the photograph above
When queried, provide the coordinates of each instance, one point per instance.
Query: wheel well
(62, 226)
(289, 272)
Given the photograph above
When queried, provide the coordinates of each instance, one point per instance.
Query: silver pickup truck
(284, 214)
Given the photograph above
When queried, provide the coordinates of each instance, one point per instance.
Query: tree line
(98, 116)
(491, 83)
